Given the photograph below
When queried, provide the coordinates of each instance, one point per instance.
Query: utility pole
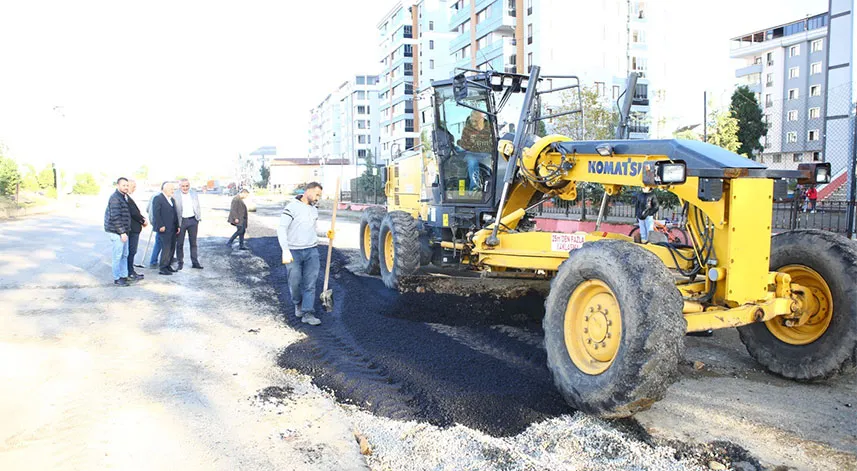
(704, 116)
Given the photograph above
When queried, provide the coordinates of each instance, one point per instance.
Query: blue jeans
(646, 227)
(303, 273)
(120, 256)
(156, 252)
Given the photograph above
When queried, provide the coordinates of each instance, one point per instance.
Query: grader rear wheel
(825, 264)
(399, 245)
(613, 328)
(370, 227)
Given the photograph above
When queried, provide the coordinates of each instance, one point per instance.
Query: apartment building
(413, 42)
(801, 75)
(344, 127)
(512, 35)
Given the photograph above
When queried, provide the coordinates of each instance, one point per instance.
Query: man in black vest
(117, 223)
(138, 222)
(165, 214)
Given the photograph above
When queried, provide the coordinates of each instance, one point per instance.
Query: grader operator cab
(617, 310)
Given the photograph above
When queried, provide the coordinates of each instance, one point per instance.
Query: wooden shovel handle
(330, 242)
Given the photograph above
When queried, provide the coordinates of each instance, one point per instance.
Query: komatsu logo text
(615, 167)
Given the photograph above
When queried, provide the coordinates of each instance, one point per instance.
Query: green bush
(9, 176)
(84, 184)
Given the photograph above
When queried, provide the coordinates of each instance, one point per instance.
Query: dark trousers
(168, 247)
(133, 241)
(239, 233)
(191, 227)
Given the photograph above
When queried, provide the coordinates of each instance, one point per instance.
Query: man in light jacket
(298, 238)
(189, 215)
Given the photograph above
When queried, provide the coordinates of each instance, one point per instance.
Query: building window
(797, 157)
(600, 88)
(361, 124)
(431, 25)
(639, 10)
(793, 94)
(769, 80)
(816, 156)
(616, 92)
(431, 44)
(815, 68)
(812, 135)
(791, 137)
(409, 125)
(529, 60)
(409, 50)
(770, 58)
(362, 139)
(431, 64)
(778, 158)
(409, 89)
(792, 115)
(408, 31)
(484, 13)
(529, 7)
(816, 45)
(794, 72)
(815, 90)
(361, 95)
(361, 153)
(769, 102)
(530, 33)
(814, 113)
(794, 50)
(639, 65)
(409, 69)
(639, 37)
(361, 109)
(409, 142)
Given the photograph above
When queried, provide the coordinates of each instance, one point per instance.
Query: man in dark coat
(645, 207)
(238, 218)
(168, 222)
(117, 224)
(138, 222)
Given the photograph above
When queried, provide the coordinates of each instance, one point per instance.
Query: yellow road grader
(617, 310)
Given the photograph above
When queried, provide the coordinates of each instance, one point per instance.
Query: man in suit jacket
(189, 214)
(155, 260)
(165, 214)
(138, 222)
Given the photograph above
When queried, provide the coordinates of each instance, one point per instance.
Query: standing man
(154, 261)
(238, 218)
(168, 222)
(138, 222)
(298, 239)
(645, 207)
(189, 213)
(117, 224)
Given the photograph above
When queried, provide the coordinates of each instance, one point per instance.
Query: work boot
(243, 247)
(309, 318)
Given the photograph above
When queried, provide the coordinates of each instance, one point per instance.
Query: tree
(598, 121)
(688, 135)
(369, 183)
(9, 176)
(46, 178)
(725, 132)
(751, 124)
(265, 174)
(85, 184)
(29, 181)
(142, 173)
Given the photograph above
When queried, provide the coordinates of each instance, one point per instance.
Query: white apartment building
(801, 73)
(414, 51)
(344, 126)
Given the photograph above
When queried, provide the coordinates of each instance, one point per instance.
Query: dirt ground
(182, 371)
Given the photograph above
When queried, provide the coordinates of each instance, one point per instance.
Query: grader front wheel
(825, 343)
(398, 241)
(613, 328)
(370, 227)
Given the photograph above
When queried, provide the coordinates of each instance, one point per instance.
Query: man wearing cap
(238, 218)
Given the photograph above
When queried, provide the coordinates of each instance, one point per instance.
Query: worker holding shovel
(298, 239)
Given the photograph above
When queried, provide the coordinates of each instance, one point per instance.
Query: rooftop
(800, 26)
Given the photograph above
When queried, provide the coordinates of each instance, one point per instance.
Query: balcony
(458, 42)
(750, 69)
(459, 17)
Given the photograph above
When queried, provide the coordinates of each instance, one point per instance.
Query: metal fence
(359, 194)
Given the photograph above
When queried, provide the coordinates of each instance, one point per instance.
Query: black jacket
(165, 214)
(137, 218)
(117, 216)
(645, 205)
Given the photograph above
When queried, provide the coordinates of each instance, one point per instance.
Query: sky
(184, 86)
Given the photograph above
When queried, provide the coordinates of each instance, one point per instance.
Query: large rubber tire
(370, 256)
(834, 258)
(404, 236)
(651, 341)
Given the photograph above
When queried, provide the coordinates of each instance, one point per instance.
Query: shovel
(327, 294)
